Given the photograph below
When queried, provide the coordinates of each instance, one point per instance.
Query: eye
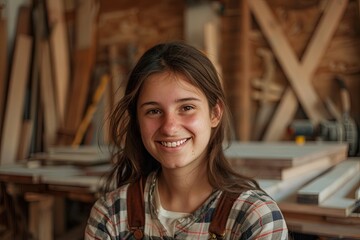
(187, 108)
(153, 112)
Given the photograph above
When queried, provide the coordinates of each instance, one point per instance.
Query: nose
(169, 125)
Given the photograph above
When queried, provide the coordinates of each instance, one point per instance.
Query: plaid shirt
(254, 215)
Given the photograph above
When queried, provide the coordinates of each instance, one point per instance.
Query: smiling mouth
(174, 144)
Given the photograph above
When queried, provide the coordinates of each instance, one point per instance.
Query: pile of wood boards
(284, 160)
(316, 185)
(48, 91)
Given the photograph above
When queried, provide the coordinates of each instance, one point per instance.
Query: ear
(216, 114)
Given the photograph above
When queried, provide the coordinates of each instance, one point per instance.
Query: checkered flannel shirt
(254, 215)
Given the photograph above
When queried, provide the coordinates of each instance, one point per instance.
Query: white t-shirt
(168, 219)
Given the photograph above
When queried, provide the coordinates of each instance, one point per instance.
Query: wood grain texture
(300, 73)
(283, 154)
(289, 173)
(16, 99)
(59, 48)
(336, 205)
(327, 184)
(47, 91)
(3, 70)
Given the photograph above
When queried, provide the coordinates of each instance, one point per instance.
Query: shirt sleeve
(99, 224)
(262, 219)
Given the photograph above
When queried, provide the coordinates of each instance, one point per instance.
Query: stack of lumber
(315, 185)
(47, 92)
(82, 155)
(284, 160)
(329, 203)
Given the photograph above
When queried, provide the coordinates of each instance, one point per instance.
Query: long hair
(131, 159)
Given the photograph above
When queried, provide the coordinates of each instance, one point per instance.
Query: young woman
(171, 176)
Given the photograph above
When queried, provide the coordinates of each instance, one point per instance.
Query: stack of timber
(284, 160)
(329, 203)
(69, 63)
(35, 99)
(315, 185)
(81, 156)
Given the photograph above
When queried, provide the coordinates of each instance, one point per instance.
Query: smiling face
(175, 120)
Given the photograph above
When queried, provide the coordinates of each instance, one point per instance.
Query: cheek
(199, 124)
(148, 130)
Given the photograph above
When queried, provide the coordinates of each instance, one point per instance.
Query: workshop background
(290, 70)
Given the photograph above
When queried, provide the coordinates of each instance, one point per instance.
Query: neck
(183, 192)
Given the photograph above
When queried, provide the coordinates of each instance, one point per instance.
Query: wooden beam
(3, 69)
(84, 59)
(283, 154)
(41, 215)
(16, 99)
(326, 185)
(290, 173)
(316, 225)
(244, 118)
(59, 47)
(339, 204)
(48, 97)
(25, 139)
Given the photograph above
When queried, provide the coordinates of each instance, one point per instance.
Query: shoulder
(255, 202)
(117, 197)
(255, 213)
(109, 202)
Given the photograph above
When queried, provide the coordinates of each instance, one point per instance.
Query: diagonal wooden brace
(299, 73)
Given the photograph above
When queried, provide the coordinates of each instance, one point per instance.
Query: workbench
(44, 189)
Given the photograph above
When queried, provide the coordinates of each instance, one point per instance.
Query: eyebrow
(151, 103)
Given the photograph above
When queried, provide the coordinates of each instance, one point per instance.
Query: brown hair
(131, 159)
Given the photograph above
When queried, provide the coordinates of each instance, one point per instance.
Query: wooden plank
(283, 154)
(23, 25)
(298, 74)
(74, 159)
(60, 55)
(47, 90)
(244, 118)
(266, 172)
(25, 139)
(17, 172)
(90, 111)
(85, 19)
(212, 43)
(15, 101)
(339, 204)
(280, 190)
(315, 225)
(328, 24)
(81, 155)
(3, 70)
(282, 117)
(92, 183)
(41, 217)
(84, 59)
(326, 185)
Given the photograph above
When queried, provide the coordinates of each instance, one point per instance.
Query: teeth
(173, 144)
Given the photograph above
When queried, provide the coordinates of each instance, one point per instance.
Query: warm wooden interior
(280, 61)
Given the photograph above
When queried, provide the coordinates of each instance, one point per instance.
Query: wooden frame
(299, 73)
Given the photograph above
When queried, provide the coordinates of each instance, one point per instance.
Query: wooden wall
(298, 21)
(139, 24)
(250, 64)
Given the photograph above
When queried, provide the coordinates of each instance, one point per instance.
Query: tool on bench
(342, 128)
